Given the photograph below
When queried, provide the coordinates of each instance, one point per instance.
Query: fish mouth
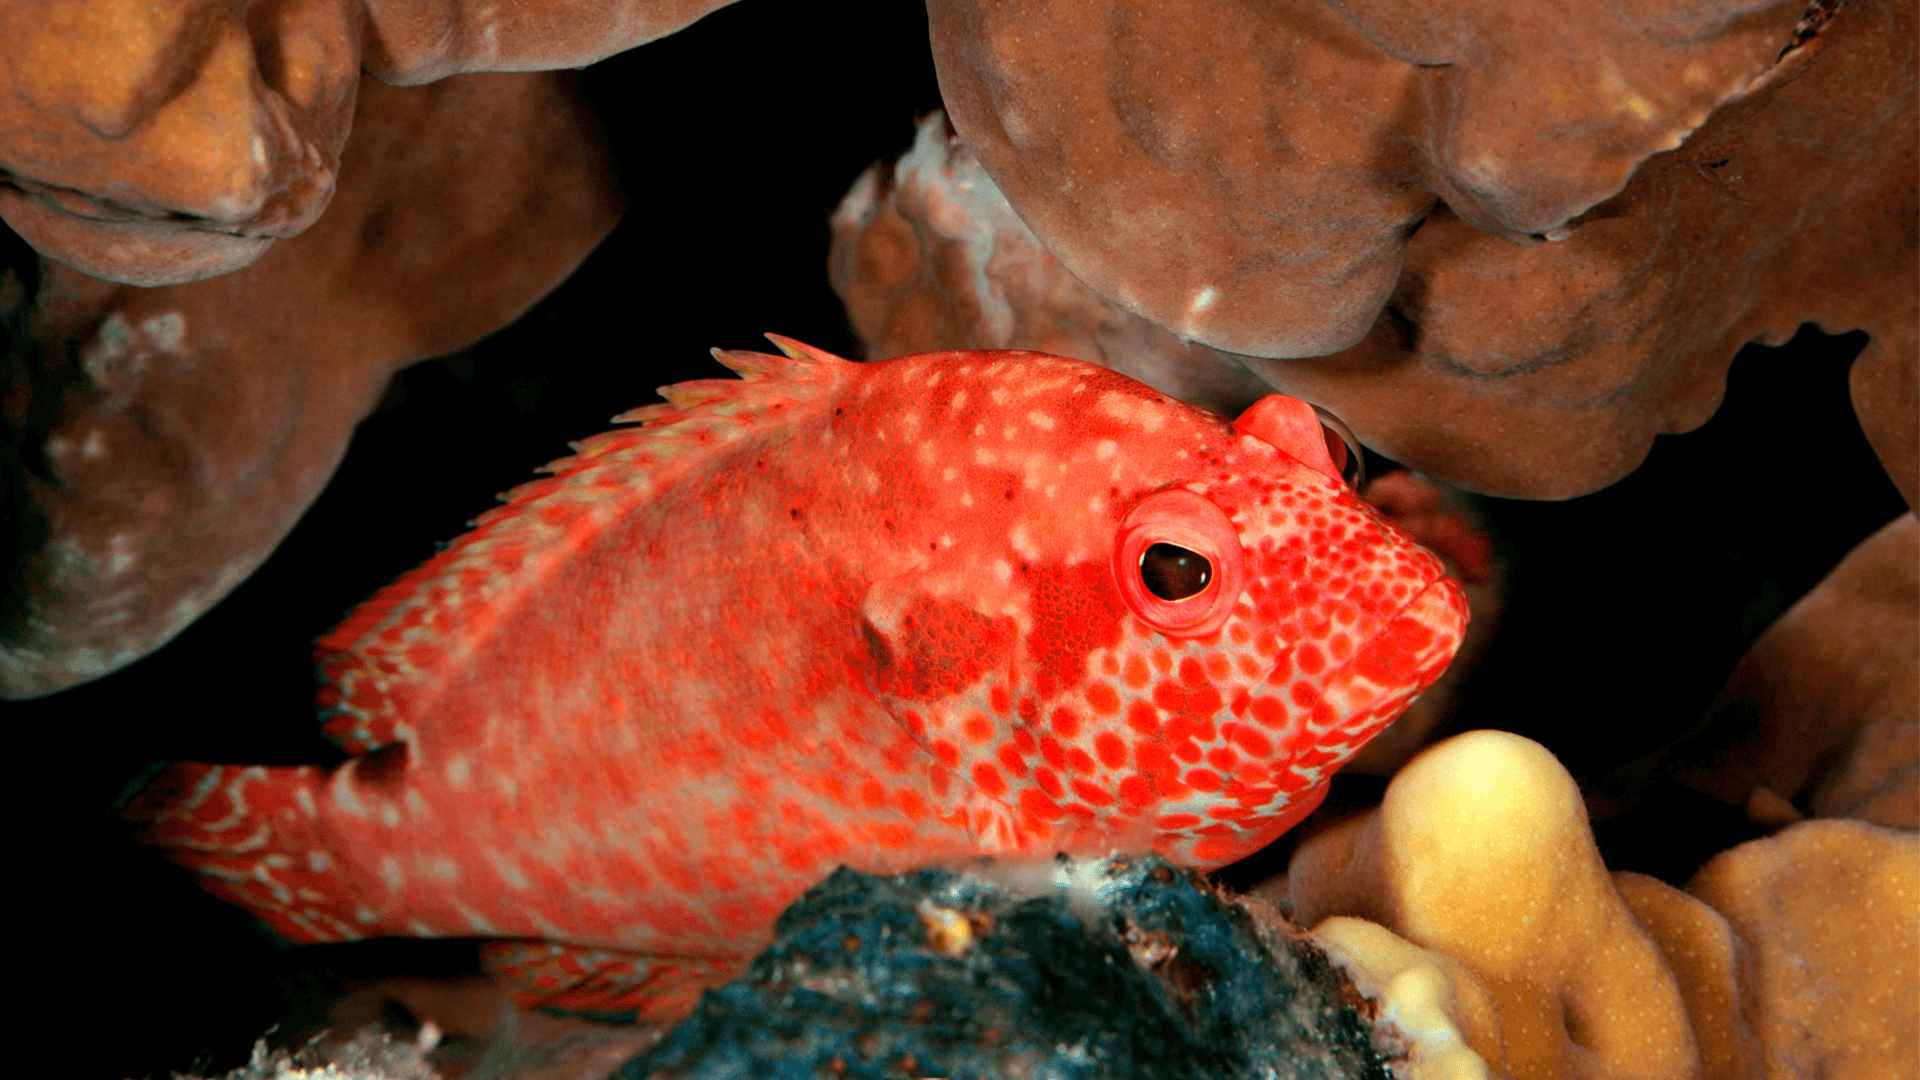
(1413, 649)
(1409, 652)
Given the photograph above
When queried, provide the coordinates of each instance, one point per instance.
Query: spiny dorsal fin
(380, 665)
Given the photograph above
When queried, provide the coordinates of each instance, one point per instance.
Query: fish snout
(1420, 639)
(1321, 716)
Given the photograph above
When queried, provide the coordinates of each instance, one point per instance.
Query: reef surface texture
(161, 143)
(1509, 273)
(169, 437)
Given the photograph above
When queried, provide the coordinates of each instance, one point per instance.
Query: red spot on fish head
(1074, 610)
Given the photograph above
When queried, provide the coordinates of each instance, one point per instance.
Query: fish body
(878, 615)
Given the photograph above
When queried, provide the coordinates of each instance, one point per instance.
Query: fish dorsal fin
(381, 666)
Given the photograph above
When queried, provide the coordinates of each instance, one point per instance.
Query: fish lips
(1371, 688)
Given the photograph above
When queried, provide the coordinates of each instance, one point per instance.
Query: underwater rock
(167, 142)
(1123, 969)
(1791, 956)
(170, 437)
(1507, 246)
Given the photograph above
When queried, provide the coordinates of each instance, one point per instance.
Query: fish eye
(1178, 564)
(1172, 572)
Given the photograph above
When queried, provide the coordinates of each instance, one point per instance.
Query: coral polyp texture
(1473, 900)
(946, 604)
(1508, 244)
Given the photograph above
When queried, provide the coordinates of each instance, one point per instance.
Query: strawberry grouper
(879, 615)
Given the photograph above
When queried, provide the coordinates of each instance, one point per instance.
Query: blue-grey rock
(1127, 968)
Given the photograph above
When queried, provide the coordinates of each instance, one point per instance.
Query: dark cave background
(735, 139)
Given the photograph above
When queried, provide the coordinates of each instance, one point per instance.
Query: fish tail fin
(248, 833)
(606, 984)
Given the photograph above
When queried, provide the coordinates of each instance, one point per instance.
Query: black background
(735, 139)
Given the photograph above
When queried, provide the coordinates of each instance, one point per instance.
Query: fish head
(1276, 623)
(1140, 620)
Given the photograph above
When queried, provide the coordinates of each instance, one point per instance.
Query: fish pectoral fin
(605, 984)
(927, 647)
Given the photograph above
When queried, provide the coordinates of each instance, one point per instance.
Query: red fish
(878, 615)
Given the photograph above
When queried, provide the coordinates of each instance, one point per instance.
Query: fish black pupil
(1172, 572)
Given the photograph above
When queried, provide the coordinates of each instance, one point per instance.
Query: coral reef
(927, 254)
(170, 437)
(1507, 247)
(1791, 956)
(162, 143)
(1526, 242)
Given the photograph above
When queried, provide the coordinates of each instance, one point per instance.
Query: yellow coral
(1500, 931)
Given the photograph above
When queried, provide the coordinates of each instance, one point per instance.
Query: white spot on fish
(1131, 411)
(459, 771)
(236, 793)
(958, 401)
(391, 873)
(949, 473)
(366, 914)
(441, 867)
(94, 445)
(416, 805)
(475, 921)
(1040, 420)
(1002, 571)
(303, 799)
(1105, 449)
(421, 930)
(1203, 300)
(319, 861)
(389, 815)
(506, 868)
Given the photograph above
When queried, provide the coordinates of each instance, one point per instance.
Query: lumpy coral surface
(1791, 956)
